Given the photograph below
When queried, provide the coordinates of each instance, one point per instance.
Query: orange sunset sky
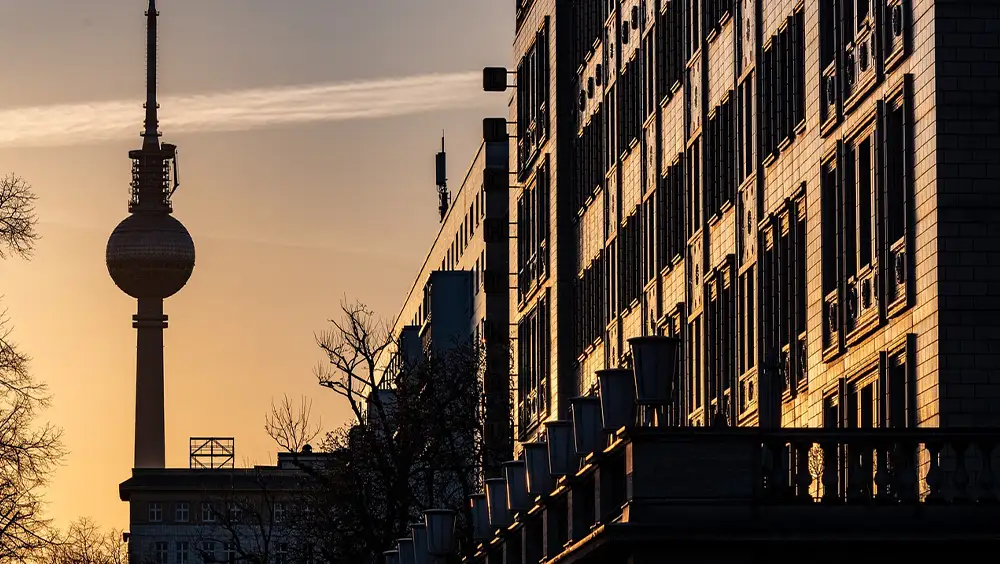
(288, 218)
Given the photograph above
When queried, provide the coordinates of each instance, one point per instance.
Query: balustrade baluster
(830, 471)
(906, 475)
(961, 476)
(882, 469)
(856, 472)
(933, 476)
(803, 477)
(987, 481)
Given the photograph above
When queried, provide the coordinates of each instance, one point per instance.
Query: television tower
(150, 257)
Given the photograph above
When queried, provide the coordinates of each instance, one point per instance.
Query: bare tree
(416, 441)
(292, 428)
(250, 517)
(85, 543)
(29, 451)
(17, 217)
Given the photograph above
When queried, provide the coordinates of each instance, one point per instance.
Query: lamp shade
(391, 556)
(617, 387)
(536, 459)
(516, 474)
(562, 452)
(480, 510)
(405, 548)
(655, 362)
(496, 496)
(587, 424)
(418, 532)
(440, 524)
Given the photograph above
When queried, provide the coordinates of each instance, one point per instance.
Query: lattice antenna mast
(152, 185)
(444, 197)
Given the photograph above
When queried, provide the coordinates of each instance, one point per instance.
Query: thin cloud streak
(76, 124)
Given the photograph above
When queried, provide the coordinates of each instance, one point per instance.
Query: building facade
(216, 513)
(461, 292)
(770, 182)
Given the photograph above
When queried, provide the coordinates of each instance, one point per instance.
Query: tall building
(461, 292)
(150, 256)
(801, 192)
(801, 185)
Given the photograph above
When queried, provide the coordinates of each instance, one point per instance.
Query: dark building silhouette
(150, 256)
(461, 293)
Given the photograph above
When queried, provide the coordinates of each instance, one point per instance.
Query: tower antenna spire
(444, 197)
(151, 134)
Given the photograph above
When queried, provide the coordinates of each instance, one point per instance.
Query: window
(720, 343)
(675, 328)
(533, 366)
(747, 393)
(533, 233)
(721, 156)
(830, 232)
(629, 257)
(207, 513)
(155, 512)
(748, 163)
(281, 553)
(182, 512)
(898, 199)
(783, 71)
(183, 552)
(693, 178)
(235, 513)
(670, 209)
(589, 295)
(670, 60)
(861, 253)
(694, 25)
(589, 161)
(161, 552)
(716, 12)
(229, 552)
(783, 292)
(532, 99)
(279, 512)
(588, 20)
(748, 321)
(630, 104)
(695, 377)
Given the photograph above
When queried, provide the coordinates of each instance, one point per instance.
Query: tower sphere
(150, 255)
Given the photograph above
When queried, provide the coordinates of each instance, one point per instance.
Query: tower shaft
(149, 322)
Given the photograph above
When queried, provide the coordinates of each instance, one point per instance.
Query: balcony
(655, 491)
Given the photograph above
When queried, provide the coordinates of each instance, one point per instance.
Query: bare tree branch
(17, 217)
(292, 429)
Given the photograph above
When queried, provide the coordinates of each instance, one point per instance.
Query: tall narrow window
(746, 122)
(830, 211)
(694, 187)
(533, 366)
(783, 77)
(695, 375)
(898, 200)
(532, 98)
(694, 25)
(800, 292)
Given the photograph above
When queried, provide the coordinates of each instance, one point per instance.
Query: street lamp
(440, 525)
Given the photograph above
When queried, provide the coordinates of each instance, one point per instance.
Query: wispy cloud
(73, 124)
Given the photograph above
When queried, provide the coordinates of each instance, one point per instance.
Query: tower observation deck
(150, 256)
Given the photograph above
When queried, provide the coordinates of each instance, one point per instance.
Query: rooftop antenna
(444, 197)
